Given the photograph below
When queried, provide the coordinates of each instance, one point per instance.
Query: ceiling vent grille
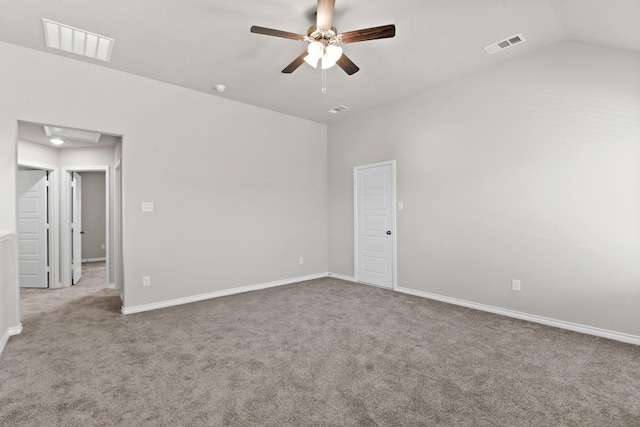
(505, 44)
(75, 40)
(338, 109)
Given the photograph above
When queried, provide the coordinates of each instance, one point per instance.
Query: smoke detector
(220, 88)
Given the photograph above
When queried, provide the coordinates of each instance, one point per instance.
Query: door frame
(54, 229)
(394, 254)
(117, 229)
(65, 220)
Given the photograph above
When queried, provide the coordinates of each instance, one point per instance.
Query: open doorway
(85, 219)
(84, 157)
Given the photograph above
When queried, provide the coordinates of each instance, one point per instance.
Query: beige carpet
(321, 353)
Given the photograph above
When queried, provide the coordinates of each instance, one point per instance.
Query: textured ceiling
(199, 43)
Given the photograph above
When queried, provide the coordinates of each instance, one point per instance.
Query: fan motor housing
(324, 36)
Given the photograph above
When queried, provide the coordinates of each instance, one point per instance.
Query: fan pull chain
(324, 81)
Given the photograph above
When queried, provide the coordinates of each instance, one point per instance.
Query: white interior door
(76, 227)
(375, 225)
(32, 228)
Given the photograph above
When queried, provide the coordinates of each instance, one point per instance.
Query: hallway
(40, 301)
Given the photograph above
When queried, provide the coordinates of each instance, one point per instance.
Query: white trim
(15, 330)
(394, 241)
(590, 330)
(217, 294)
(343, 277)
(65, 219)
(355, 225)
(111, 286)
(8, 333)
(117, 226)
(65, 229)
(93, 259)
(4, 340)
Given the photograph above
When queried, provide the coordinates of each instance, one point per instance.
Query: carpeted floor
(321, 353)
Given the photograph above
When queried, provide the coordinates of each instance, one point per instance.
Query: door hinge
(47, 226)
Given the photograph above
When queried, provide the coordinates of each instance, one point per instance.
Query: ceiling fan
(323, 40)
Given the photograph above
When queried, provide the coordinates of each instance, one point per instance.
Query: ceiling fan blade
(374, 33)
(295, 63)
(347, 65)
(277, 33)
(325, 14)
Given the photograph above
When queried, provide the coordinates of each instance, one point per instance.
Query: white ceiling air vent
(74, 40)
(338, 109)
(72, 134)
(505, 44)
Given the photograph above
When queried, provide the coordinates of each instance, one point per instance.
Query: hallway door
(32, 228)
(375, 224)
(76, 227)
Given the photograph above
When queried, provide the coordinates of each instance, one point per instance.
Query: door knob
(389, 232)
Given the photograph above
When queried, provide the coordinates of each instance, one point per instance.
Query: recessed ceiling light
(72, 134)
(56, 141)
(75, 40)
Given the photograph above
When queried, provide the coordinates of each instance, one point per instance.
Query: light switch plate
(147, 206)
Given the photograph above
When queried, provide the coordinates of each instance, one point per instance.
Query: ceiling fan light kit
(323, 39)
(328, 55)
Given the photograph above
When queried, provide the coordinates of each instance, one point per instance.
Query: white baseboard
(93, 259)
(217, 294)
(16, 330)
(342, 277)
(3, 341)
(8, 333)
(618, 336)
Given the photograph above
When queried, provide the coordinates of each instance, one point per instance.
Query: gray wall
(8, 276)
(240, 192)
(94, 218)
(527, 171)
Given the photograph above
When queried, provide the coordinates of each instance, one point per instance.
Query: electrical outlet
(146, 280)
(515, 285)
(301, 260)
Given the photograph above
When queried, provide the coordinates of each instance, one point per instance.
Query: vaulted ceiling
(197, 44)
